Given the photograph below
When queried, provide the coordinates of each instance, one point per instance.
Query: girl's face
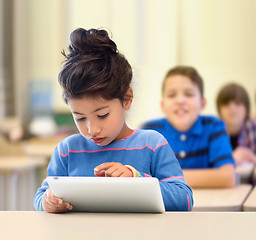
(99, 120)
(182, 102)
(233, 114)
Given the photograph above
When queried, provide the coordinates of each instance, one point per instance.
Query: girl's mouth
(98, 140)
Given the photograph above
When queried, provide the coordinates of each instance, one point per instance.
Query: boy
(200, 143)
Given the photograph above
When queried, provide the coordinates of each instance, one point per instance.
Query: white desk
(18, 181)
(93, 226)
(250, 203)
(245, 171)
(221, 199)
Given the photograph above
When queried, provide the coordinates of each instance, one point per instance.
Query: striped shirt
(247, 137)
(205, 145)
(146, 151)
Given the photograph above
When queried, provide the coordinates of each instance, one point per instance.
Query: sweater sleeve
(177, 195)
(57, 167)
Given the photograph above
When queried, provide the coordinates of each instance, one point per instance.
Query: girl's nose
(93, 129)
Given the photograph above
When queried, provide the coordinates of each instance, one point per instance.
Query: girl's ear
(128, 99)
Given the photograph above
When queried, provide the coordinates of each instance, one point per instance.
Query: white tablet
(109, 194)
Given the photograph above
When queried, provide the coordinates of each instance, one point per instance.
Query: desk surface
(245, 171)
(250, 203)
(171, 225)
(223, 199)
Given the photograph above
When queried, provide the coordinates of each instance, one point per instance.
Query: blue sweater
(147, 151)
(205, 145)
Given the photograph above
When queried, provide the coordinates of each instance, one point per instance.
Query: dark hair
(233, 92)
(94, 67)
(189, 72)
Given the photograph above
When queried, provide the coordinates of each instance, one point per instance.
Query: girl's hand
(243, 154)
(112, 169)
(53, 204)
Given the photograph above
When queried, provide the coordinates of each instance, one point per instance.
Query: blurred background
(216, 37)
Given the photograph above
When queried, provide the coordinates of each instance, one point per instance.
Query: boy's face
(99, 120)
(181, 102)
(233, 114)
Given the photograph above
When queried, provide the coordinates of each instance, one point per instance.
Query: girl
(233, 105)
(96, 82)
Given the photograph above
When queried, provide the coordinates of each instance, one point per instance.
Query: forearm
(177, 196)
(222, 177)
(38, 202)
(38, 198)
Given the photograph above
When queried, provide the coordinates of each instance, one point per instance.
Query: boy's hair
(186, 71)
(94, 67)
(233, 92)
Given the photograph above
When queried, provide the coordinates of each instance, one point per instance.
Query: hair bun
(91, 42)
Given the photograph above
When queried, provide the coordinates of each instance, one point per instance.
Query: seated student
(96, 82)
(233, 105)
(199, 142)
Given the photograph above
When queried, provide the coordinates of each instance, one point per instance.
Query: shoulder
(215, 130)
(212, 123)
(150, 137)
(210, 120)
(250, 123)
(249, 127)
(149, 133)
(73, 138)
(154, 124)
(73, 141)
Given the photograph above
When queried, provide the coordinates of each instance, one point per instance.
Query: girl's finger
(126, 174)
(100, 173)
(109, 172)
(103, 166)
(117, 173)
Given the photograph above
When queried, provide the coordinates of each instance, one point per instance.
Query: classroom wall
(216, 37)
(145, 33)
(2, 105)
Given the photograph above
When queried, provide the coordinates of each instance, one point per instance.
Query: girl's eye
(103, 116)
(80, 119)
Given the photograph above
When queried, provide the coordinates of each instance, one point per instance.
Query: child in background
(199, 142)
(233, 105)
(254, 114)
(96, 82)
